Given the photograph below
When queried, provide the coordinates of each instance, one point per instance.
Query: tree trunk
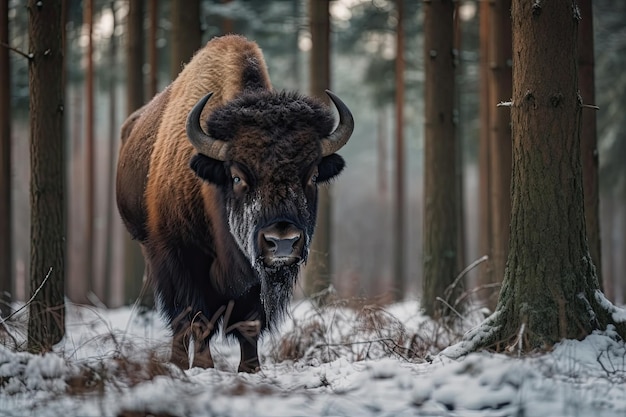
(228, 25)
(440, 190)
(460, 213)
(588, 134)
(46, 325)
(399, 283)
(486, 276)
(318, 270)
(186, 33)
(133, 261)
(550, 289)
(6, 235)
(500, 90)
(153, 12)
(90, 276)
(113, 144)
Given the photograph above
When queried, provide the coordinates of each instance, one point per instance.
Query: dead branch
(30, 300)
(17, 51)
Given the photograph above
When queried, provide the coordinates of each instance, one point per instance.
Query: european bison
(225, 214)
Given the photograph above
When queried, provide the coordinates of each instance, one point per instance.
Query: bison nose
(281, 241)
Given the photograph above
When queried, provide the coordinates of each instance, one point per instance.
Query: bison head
(267, 152)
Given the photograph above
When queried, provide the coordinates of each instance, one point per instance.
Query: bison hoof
(202, 362)
(180, 361)
(250, 369)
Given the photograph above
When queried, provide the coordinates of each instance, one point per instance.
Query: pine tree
(46, 325)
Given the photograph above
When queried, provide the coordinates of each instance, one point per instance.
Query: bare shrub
(358, 330)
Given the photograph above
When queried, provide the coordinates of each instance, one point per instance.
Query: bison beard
(277, 281)
(224, 240)
(276, 290)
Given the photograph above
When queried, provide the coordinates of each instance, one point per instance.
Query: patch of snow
(618, 314)
(577, 378)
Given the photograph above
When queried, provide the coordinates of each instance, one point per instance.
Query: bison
(217, 179)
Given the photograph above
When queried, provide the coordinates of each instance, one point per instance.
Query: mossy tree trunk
(550, 289)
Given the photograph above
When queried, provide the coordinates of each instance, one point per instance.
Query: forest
(484, 190)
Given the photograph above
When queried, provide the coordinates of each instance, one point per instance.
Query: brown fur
(158, 194)
(213, 69)
(138, 134)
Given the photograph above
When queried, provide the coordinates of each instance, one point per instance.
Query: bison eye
(239, 185)
(238, 178)
(313, 176)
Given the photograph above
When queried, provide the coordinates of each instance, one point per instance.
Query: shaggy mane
(268, 110)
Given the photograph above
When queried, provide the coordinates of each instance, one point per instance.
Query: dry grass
(358, 330)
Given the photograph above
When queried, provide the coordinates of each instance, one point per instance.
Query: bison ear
(209, 169)
(329, 168)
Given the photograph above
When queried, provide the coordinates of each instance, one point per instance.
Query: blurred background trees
(363, 47)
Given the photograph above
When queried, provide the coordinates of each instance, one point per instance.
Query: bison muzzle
(217, 179)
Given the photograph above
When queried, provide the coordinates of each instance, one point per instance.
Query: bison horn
(342, 133)
(204, 144)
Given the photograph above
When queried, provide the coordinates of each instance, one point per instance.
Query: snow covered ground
(336, 362)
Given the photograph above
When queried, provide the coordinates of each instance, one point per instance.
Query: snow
(338, 361)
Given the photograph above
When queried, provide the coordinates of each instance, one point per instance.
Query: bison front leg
(248, 335)
(180, 349)
(202, 352)
(199, 329)
(249, 355)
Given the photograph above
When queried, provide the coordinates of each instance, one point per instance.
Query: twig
(590, 106)
(472, 291)
(395, 347)
(519, 341)
(17, 51)
(8, 333)
(444, 302)
(31, 298)
(471, 266)
(95, 300)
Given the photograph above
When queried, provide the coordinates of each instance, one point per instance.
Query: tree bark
(500, 90)
(228, 25)
(550, 289)
(399, 266)
(90, 275)
(153, 12)
(486, 275)
(6, 235)
(46, 325)
(133, 259)
(588, 135)
(186, 33)
(318, 269)
(440, 160)
(113, 145)
(399, 283)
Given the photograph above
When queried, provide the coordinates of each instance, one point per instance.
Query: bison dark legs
(181, 341)
(194, 308)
